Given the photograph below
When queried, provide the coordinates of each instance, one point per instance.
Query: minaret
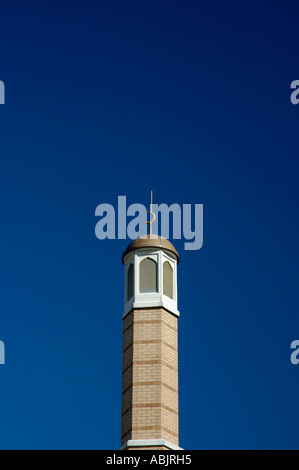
(149, 417)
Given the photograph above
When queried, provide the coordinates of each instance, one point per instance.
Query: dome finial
(150, 223)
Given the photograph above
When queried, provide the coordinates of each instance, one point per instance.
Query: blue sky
(190, 99)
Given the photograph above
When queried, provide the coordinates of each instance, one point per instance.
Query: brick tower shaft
(150, 376)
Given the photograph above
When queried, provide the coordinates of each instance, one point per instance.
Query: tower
(149, 417)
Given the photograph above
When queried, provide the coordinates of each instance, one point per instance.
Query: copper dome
(151, 241)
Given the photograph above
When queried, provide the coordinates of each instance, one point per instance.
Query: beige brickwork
(150, 376)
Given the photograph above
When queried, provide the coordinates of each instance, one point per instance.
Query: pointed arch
(148, 276)
(167, 279)
(130, 282)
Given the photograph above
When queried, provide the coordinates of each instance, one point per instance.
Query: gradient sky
(190, 99)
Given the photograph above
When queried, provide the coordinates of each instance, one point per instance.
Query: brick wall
(150, 376)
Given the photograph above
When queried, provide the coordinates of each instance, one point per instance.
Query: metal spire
(150, 223)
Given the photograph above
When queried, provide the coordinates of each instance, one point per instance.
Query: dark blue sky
(190, 99)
